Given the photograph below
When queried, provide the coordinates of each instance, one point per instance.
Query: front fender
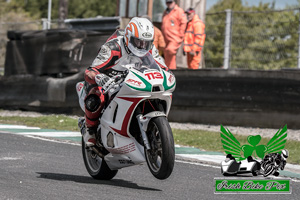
(144, 120)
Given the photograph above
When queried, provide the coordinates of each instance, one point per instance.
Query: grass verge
(58, 122)
(204, 140)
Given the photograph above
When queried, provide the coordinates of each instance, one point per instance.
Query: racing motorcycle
(271, 165)
(133, 124)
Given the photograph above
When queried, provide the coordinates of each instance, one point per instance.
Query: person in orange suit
(173, 27)
(159, 41)
(194, 38)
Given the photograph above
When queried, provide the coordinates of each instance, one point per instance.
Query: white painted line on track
(4, 126)
(10, 158)
(53, 140)
(41, 132)
(52, 134)
(205, 157)
(295, 180)
(196, 163)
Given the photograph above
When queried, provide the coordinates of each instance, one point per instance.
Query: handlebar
(114, 84)
(118, 79)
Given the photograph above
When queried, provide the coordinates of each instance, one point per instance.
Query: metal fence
(252, 40)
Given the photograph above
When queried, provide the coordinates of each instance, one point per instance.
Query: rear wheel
(161, 156)
(95, 165)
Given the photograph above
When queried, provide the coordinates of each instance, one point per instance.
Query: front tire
(95, 165)
(161, 156)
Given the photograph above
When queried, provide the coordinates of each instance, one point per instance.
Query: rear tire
(95, 165)
(161, 156)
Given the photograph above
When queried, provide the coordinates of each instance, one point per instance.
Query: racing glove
(104, 81)
(101, 79)
(108, 84)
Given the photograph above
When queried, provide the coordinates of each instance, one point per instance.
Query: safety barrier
(228, 97)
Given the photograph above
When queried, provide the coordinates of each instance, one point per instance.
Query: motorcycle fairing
(137, 87)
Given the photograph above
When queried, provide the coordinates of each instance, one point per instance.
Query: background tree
(262, 38)
(13, 12)
(76, 8)
(215, 31)
(91, 8)
(159, 6)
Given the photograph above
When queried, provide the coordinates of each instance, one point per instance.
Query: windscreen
(140, 63)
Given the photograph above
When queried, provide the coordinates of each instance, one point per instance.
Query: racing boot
(81, 125)
(89, 136)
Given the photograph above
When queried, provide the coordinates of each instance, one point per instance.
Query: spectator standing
(159, 41)
(194, 38)
(173, 27)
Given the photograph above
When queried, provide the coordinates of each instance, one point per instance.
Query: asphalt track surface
(32, 169)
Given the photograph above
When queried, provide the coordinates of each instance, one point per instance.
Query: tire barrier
(51, 52)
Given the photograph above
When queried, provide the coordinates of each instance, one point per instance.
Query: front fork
(143, 122)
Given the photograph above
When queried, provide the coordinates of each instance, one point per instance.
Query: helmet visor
(141, 44)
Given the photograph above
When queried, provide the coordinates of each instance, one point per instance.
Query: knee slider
(92, 103)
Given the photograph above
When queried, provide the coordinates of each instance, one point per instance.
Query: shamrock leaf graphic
(249, 149)
(254, 140)
(261, 150)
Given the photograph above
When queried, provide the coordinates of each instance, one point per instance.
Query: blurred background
(264, 34)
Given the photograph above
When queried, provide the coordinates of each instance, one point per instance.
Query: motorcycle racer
(276, 159)
(136, 39)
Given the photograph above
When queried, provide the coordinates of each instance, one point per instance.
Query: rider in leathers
(137, 40)
(278, 159)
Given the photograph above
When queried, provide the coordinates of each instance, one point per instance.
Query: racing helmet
(139, 36)
(284, 154)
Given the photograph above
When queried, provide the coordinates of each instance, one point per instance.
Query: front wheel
(95, 165)
(161, 155)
